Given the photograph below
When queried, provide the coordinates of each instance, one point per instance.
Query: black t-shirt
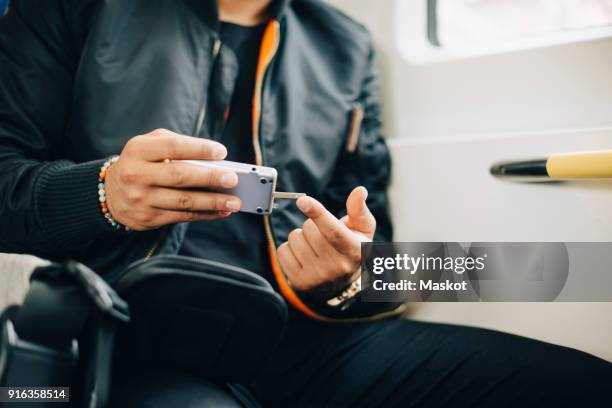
(218, 240)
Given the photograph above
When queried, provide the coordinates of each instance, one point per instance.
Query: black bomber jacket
(79, 78)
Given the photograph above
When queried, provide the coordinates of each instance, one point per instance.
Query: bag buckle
(102, 295)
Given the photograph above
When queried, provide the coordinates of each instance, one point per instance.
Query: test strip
(280, 195)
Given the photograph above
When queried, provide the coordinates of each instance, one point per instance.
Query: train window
(457, 24)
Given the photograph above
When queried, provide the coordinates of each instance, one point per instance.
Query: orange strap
(267, 50)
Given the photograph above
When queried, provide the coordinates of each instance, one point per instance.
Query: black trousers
(398, 363)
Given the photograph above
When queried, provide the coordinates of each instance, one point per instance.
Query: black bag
(207, 318)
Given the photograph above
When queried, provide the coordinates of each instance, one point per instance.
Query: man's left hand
(325, 254)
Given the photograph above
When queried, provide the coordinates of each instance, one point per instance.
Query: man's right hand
(144, 191)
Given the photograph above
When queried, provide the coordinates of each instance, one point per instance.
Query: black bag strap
(96, 387)
(61, 301)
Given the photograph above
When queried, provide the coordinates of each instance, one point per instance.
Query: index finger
(182, 174)
(334, 231)
(164, 144)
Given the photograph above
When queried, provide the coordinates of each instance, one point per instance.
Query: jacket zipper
(200, 122)
(257, 122)
(155, 245)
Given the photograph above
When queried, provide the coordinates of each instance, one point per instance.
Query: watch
(350, 292)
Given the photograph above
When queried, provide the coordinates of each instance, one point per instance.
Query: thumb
(359, 216)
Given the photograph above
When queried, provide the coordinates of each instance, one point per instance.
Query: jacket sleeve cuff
(66, 203)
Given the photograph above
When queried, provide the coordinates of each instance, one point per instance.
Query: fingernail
(220, 152)
(229, 180)
(366, 192)
(232, 205)
(303, 204)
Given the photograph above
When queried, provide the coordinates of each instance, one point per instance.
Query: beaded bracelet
(102, 196)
